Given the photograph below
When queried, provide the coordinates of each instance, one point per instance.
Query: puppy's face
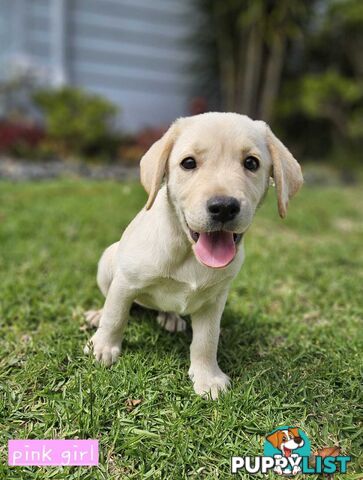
(217, 168)
(218, 173)
(286, 440)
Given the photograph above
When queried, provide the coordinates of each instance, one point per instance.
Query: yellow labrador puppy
(205, 179)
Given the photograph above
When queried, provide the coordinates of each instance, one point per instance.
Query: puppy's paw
(209, 383)
(93, 317)
(106, 349)
(171, 322)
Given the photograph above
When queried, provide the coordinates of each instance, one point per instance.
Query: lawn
(291, 338)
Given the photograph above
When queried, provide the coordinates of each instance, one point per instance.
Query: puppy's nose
(222, 208)
(298, 440)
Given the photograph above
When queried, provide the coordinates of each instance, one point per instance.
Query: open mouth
(287, 451)
(215, 249)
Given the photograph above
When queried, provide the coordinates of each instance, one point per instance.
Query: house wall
(134, 52)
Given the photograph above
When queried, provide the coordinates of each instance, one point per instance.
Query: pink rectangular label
(53, 452)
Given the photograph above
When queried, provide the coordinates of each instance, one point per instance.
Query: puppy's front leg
(204, 371)
(106, 342)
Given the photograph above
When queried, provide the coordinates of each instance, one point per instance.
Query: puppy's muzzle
(223, 209)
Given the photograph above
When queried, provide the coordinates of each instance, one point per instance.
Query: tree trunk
(225, 62)
(252, 71)
(272, 78)
(240, 71)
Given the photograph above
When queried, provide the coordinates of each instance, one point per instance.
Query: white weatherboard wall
(134, 52)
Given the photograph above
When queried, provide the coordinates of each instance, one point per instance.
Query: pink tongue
(215, 249)
(287, 452)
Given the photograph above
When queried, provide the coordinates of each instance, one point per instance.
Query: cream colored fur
(154, 264)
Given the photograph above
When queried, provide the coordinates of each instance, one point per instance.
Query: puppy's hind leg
(172, 322)
(106, 267)
(104, 279)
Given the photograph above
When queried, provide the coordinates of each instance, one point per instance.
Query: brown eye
(251, 163)
(189, 163)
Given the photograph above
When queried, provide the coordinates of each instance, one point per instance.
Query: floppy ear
(285, 171)
(153, 164)
(295, 432)
(274, 439)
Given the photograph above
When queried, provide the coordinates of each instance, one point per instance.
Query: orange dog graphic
(286, 441)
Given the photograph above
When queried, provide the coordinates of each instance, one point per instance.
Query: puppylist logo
(287, 451)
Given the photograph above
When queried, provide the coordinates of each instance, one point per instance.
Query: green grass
(291, 338)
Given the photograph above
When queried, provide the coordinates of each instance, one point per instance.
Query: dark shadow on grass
(239, 340)
(247, 346)
(166, 342)
(239, 337)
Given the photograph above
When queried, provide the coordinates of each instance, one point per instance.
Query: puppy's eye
(189, 163)
(251, 163)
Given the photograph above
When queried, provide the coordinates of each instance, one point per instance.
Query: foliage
(133, 147)
(324, 90)
(78, 123)
(295, 64)
(334, 97)
(242, 45)
(291, 338)
(20, 138)
(19, 80)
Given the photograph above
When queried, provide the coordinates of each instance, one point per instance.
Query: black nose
(298, 440)
(223, 209)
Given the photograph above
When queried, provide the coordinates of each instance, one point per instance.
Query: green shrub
(78, 123)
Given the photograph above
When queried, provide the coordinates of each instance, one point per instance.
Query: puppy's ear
(295, 432)
(285, 171)
(274, 439)
(153, 164)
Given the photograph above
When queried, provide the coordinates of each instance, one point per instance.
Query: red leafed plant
(146, 137)
(15, 136)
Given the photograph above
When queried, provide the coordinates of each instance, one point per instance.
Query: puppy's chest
(172, 295)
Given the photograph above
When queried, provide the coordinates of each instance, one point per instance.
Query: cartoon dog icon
(286, 441)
